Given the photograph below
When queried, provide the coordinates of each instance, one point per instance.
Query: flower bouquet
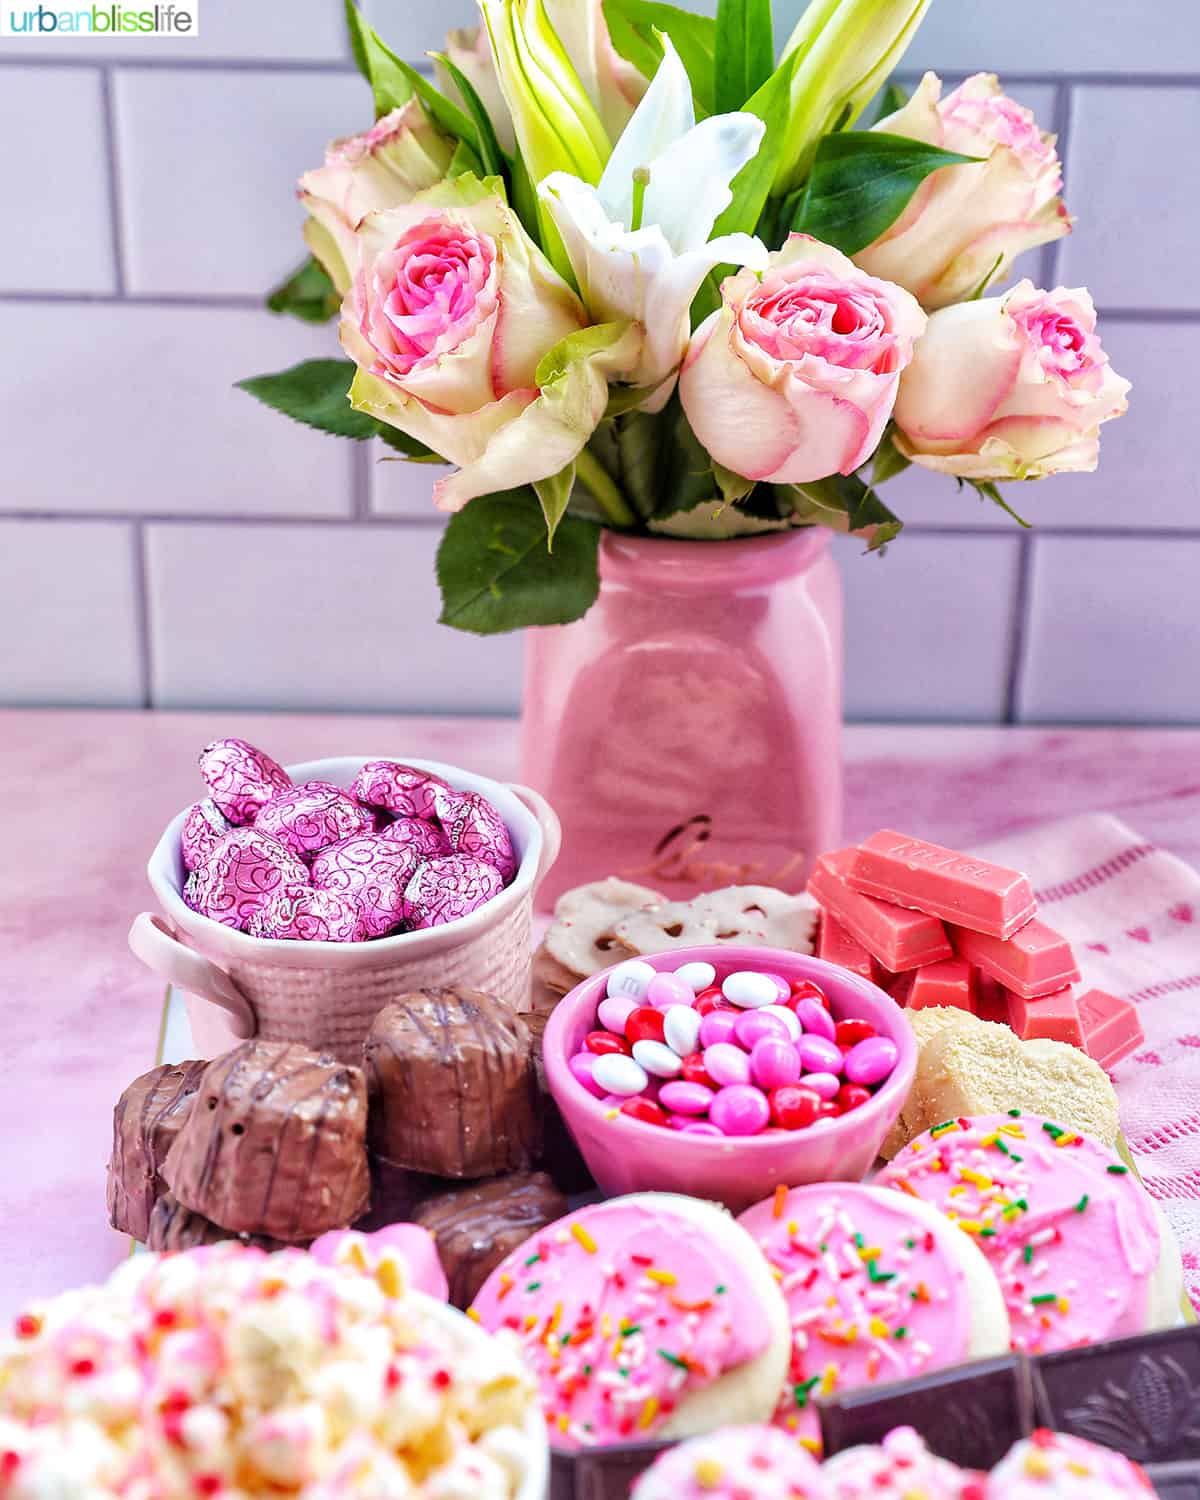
(626, 267)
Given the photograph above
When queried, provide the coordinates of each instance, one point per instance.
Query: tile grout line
(141, 613)
(113, 180)
(1020, 629)
(1064, 106)
(360, 484)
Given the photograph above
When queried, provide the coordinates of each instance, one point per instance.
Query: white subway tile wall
(166, 541)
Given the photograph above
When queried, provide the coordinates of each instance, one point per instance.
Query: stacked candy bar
(937, 927)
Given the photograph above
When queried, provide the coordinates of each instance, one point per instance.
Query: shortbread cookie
(580, 941)
(901, 1467)
(879, 1287)
(1057, 1466)
(734, 1463)
(757, 916)
(651, 1316)
(1074, 1240)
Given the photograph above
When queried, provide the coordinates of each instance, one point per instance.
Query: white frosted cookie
(580, 940)
(758, 916)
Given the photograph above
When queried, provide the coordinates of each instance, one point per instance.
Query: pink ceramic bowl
(629, 1156)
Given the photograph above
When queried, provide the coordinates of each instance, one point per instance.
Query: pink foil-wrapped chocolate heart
(240, 877)
(403, 790)
(240, 778)
(310, 817)
(442, 889)
(309, 915)
(203, 829)
(425, 839)
(476, 830)
(375, 871)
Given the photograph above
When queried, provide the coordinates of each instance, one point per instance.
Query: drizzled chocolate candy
(173, 1227)
(451, 1080)
(146, 1120)
(477, 1225)
(275, 1143)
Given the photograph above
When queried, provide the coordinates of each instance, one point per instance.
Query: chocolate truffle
(173, 1227)
(453, 1093)
(275, 1143)
(146, 1121)
(477, 1225)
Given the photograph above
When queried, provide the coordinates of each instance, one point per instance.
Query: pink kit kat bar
(1055, 1017)
(898, 938)
(946, 983)
(991, 999)
(1035, 961)
(836, 946)
(957, 887)
(1111, 1028)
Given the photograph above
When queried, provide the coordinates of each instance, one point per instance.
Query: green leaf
(442, 111)
(555, 495)
(752, 184)
(861, 182)
(977, 294)
(686, 473)
(733, 487)
(744, 51)
(625, 398)
(464, 161)
(987, 490)
(317, 393)
(632, 24)
(307, 293)
(490, 155)
(892, 98)
(495, 571)
(846, 503)
(525, 199)
(640, 441)
(378, 64)
(889, 461)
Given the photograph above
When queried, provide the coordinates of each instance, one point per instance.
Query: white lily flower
(638, 242)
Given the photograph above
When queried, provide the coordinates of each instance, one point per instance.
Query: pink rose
(399, 156)
(1011, 387)
(448, 317)
(964, 225)
(794, 377)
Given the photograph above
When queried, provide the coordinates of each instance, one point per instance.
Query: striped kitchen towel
(1132, 913)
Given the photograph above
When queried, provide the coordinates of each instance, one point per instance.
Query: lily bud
(845, 51)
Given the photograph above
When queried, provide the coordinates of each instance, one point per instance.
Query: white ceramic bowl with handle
(325, 995)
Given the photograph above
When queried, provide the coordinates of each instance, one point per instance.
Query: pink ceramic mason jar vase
(687, 729)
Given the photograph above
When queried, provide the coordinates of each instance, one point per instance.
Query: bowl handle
(548, 822)
(161, 951)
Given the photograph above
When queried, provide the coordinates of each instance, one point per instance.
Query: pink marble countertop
(87, 794)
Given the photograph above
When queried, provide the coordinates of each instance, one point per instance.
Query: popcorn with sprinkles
(649, 1316)
(1079, 1249)
(1057, 1466)
(736, 1463)
(879, 1287)
(228, 1372)
(901, 1467)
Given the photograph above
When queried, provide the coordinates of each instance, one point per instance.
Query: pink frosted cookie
(411, 1244)
(240, 877)
(302, 913)
(734, 1463)
(373, 870)
(474, 829)
(650, 1316)
(398, 789)
(1055, 1466)
(309, 817)
(900, 1468)
(442, 890)
(879, 1287)
(240, 778)
(1071, 1235)
(203, 829)
(425, 839)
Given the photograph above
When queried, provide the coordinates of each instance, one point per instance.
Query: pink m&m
(614, 1011)
(870, 1061)
(740, 1109)
(718, 1026)
(582, 1067)
(819, 1055)
(815, 1019)
(727, 1064)
(686, 1098)
(665, 990)
(774, 1062)
(753, 1025)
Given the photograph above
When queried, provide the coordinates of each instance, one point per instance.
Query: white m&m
(630, 980)
(750, 989)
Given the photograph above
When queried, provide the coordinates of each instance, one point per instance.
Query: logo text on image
(167, 18)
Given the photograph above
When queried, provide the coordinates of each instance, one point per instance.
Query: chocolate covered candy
(397, 788)
(310, 817)
(203, 829)
(452, 1086)
(475, 829)
(173, 1227)
(275, 1143)
(241, 875)
(240, 778)
(375, 871)
(425, 839)
(442, 890)
(303, 913)
(146, 1120)
(477, 1225)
